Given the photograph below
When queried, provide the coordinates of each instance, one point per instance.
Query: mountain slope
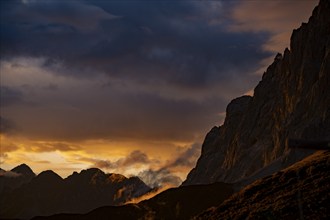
(176, 203)
(48, 193)
(291, 101)
(300, 191)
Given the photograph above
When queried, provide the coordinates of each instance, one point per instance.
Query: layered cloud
(45, 105)
(165, 175)
(141, 68)
(130, 78)
(134, 158)
(153, 172)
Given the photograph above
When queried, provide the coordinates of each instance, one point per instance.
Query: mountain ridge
(47, 193)
(291, 101)
(272, 197)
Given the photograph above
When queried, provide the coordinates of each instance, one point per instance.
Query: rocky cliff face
(291, 101)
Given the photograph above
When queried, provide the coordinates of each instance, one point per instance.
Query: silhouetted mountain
(14, 178)
(299, 192)
(48, 176)
(48, 193)
(176, 203)
(291, 101)
(24, 169)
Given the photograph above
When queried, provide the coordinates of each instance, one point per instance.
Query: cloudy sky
(129, 86)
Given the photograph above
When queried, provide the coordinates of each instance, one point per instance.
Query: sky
(129, 86)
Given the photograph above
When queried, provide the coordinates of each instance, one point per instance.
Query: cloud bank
(131, 71)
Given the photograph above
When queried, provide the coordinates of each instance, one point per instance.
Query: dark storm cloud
(51, 87)
(116, 116)
(178, 42)
(6, 126)
(164, 69)
(10, 96)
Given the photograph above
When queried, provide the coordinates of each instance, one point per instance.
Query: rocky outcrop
(291, 101)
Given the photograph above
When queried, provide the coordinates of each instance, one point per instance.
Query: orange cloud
(118, 157)
(43, 146)
(134, 158)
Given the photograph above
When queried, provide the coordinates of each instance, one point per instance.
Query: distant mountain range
(24, 194)
(299, 192)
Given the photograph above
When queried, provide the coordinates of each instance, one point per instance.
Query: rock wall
(291, 101)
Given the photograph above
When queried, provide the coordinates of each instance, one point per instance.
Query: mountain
(300, 191)
(251, 149)
(47, 193)
(290, 102)
(24, 170)
(14, 178)
(176, 203)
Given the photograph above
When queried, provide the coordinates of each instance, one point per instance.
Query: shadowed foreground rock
(301, 191)
(176, 203)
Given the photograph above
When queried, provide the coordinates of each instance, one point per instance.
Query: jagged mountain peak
(24, 170)
(116, 178)
(93, 176)
(81, 192)
(135, 179)
(92, 172)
